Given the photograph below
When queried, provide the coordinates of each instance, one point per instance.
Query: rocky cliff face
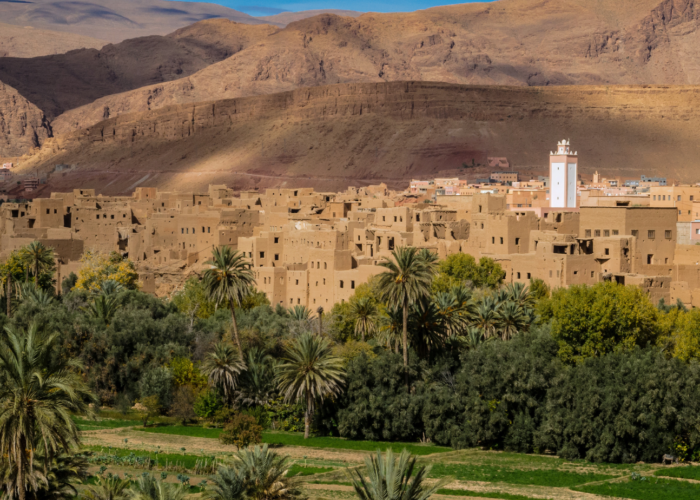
(353, 134)
(23, 126)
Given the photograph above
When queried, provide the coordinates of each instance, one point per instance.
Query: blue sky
(269, 7)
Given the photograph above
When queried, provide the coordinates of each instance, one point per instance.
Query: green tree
(228, 282)
(99, 267)
(486, 317)
(193, 301)
(157, 382)
(222, 367)
(366, 314)
(394, 478)
(406, 280)
(38, 258)
(595, 320)
(309, 372)
(241, 431)
(299, 313)
(461, 269)
(511, 320)
(152, 406)
(39, 392)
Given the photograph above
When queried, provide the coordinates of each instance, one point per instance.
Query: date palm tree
(148, 487)
(308, 372)
(319, 311)
(486, 318)
(229, 281)
(406, 280)
(366, 315)
(222, 367)
(511, 320)
(38, 258)
(299, 313)
(394, 478)
(38, 394)
(257, 474)
(108, 488)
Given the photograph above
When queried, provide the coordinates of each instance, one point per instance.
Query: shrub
(207, 404)
(183, 404)
(241, 431)
(158, 382)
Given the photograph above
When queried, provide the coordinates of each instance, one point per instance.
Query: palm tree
(308, 372)
(430, 259)
(474, 337)
(148, 487)
(103, 307)
(38, 258)
(511, 320)
(49, 479)
(405, 281)
(38, 394)
(222, 367)
(111, 287)
(299, 313)
(32, 293)
(486, 318)
(365, 312)
(390, 327)
(257, 384)
(228, 282)
(108, 488)
(391, 478)
(258, 474)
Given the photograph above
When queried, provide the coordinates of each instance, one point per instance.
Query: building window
(262, 255)
(588, 233)
(654, 197)
(606, 232)
(517, 241)
(668, 235)
(312, 264)
(182, 229)
(597, 233)
(383, 218)
(48, 211)
(352, 284)
(607, 251)
(325, 265)
(679, 198)
(277, 256)
(493, 240)
(635, 233)
(592, 274)
(529, 275)
(324, 281)
(208, 229)
(518, 274)
(550, 274)
(651, 234)
(297, 282)
(98, 217)
(394, 218)
(418, 216)
(341, 283)
(501, 240)
(615, 232)
(482, 225)
(650, 259)
(666, 260)
(277, 240)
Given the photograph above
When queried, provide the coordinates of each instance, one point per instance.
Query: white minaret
(563, 166)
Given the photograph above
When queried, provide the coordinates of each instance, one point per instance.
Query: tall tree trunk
(20, 469)
(307, 415)
(8, 295)
(235, 331)
(405, 338)
(320, 324)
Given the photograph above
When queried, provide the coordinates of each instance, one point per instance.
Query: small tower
(563, 169)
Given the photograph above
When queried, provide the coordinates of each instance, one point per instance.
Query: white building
(563, 168)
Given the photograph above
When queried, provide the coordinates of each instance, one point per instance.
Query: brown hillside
(57, 83)
(25, 41)
(352, 134)
(284, 18)
(509, 42)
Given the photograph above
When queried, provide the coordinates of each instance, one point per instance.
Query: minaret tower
(563, 168)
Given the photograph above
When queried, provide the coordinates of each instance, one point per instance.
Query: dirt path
(169, 443)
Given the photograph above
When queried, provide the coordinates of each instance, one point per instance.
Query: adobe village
(314, 249)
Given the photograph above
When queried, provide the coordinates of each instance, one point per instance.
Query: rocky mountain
(334, 136)
(25, 41)
(23, 126)
(61, 82)
(284, 18)
(509, 42)
(114, 20)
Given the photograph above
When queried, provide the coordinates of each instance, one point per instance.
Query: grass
(93, 425)
(498, 474)
(300, 470)
(652, 489)
(187, 461)
(339, 483)
(690, 472)
(483, 494)
(294, 439)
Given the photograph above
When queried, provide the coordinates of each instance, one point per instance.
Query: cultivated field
(124, 446)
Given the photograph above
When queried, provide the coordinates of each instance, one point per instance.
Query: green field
(690, 472)
(93, 425)
(652, 489)
(498, 474)
(300, 470)
(297, 439)
(104, 455)
(481, 494)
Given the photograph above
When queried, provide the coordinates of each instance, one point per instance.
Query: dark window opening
(561, 249)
